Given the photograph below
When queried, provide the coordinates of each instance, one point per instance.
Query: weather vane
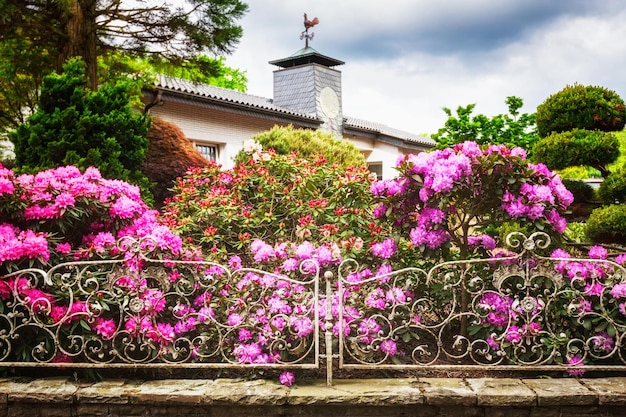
(308, 24)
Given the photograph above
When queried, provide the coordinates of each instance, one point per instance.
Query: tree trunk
(79, 26)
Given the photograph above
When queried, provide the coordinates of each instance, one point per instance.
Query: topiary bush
(582, 192)
(308, 144)
(607, 224)
(581, 107)
(169, 156)
(577, 147)
(613, 188)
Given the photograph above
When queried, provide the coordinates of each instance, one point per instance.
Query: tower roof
(304, 56)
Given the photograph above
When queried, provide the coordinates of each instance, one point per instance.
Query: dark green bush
(582, 191)
(607, 224)
(577, 147)
(581, 107)
(613, 188)
(76, 126)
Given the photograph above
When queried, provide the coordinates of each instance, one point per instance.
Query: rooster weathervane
(308, 24)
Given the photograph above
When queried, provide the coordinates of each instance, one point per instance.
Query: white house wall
(213, 127)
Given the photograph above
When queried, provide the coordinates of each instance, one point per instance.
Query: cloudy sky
(407, 59)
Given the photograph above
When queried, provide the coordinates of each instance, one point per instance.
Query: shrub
(581, 107)
(453, 196)
(84, 128)
(582, 192)
(169, 156)
(308, 144)
(613, 188)
(577, 147)
(275, 198)
(607, 224)
(62, 214)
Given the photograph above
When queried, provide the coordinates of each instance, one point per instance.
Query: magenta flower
(598, 252)
(385, 249)
(576, 360)
(287, 379)
(389, 347)
(105, 327)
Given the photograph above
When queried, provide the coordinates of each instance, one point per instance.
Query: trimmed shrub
(582, 192)
(581, 107)
(169, 156)
(613, 188)
(308, 144)
(607, 224)
(577, 147)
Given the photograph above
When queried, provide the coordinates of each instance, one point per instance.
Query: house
(307, 94)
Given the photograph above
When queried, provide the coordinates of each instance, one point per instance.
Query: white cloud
(405, 60)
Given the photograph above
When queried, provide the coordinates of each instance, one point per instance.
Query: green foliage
(202, 69)
(575, 232)
(88, 28)
(607, 224)
(275, 198)
(80, 127)
(621, 160)
(578, 147)
(308, 144)
(613, 188)
(581, 191)
(22, 67)
(510, 129)
(579, 172)
(581, 107)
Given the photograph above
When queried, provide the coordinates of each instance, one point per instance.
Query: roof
(225, 95)
(383, 130)
(244, 100)
(304, 56)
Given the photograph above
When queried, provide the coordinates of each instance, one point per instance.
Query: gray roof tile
(247, 100)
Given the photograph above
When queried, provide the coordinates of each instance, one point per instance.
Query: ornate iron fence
(518, 311)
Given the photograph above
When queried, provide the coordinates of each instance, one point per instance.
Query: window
(376, 169)
(209, 152)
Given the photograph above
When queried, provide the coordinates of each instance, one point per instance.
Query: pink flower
(287, 379)
(575, 360)
(385, 249)
(389, 347)
(105, 327)
(598, 252)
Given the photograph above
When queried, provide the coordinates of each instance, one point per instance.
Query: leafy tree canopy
(90, 28)
(512, 129)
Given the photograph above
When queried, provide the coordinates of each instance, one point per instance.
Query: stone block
(610, 391)
(111, 391)
(564, 391)
(356, 392)
(495, 392)
(49, 390)
(446, 391)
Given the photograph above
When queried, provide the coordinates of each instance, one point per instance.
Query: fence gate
(518, 311)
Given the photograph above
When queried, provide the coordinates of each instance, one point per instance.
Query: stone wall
(454, 397)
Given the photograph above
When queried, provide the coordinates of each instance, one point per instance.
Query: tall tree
(513, 129)
(89, 28)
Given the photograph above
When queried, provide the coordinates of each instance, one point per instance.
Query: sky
(405, 60)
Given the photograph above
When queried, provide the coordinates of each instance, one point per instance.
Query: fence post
(328, 327)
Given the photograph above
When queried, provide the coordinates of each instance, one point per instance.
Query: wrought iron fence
(522, 310)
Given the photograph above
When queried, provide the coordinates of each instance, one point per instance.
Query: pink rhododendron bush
(233, 270)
